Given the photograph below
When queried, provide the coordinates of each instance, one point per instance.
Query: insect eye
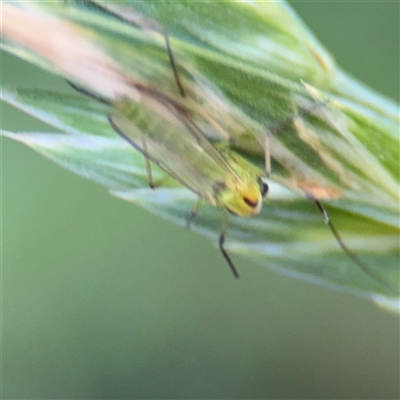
(263, 188)
(250, 203)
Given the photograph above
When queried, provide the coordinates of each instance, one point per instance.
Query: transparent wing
(174, 143)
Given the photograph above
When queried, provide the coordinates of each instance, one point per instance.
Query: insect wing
(174, 144)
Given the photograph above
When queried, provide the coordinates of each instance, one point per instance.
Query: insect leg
(282, 125)
(173, 66)
(221, 244)
(193, 213)
(88, 93)
(137, 19)
(148, 165)
(144, 150)
(376, 277)
(144, 144)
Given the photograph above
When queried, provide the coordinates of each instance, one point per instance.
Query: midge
(164, 132)
(221, 178)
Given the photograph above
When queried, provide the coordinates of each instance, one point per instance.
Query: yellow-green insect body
(172, 141)
(167, 135)
(242, 191)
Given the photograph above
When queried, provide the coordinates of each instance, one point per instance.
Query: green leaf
(69, 113)
(288, 235)
(249, 72)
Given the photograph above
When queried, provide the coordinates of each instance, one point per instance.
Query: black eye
(263, 188)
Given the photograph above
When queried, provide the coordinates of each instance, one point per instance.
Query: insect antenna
(173, 66)
(368, 271)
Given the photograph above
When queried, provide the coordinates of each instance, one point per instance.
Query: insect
(166, 134)
(169, 139)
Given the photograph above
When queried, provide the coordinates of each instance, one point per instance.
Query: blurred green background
(103, 300)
